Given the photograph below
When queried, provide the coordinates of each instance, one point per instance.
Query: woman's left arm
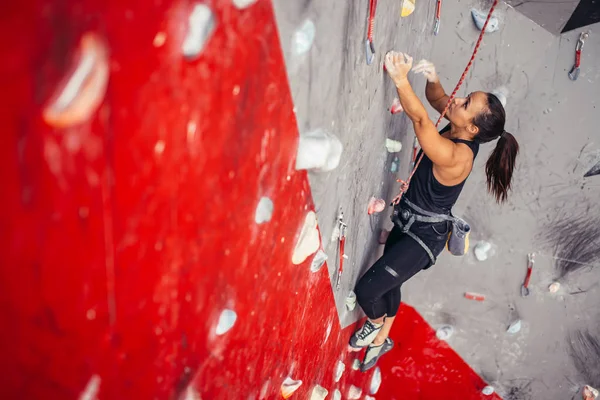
(440, 150)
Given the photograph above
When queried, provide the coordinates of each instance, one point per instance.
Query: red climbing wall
(125, 236)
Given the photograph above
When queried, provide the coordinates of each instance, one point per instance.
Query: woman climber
(423, 216)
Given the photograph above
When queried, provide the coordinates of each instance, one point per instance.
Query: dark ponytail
(499, 167)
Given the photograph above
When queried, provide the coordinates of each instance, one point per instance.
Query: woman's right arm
(436, 96)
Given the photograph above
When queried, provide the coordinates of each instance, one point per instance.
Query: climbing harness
(408, 213)
(438, 11)
(574, 72)
(369, 46)
(458, 240)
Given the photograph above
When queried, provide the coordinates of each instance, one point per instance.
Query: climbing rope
(404, 184)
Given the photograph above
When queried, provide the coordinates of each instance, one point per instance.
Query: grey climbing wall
(554, 120)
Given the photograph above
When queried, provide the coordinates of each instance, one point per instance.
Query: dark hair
(499, 167)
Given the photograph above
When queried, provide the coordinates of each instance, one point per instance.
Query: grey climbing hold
(318, 261)
(482, 250)
(356, 364)
(303, 38)
(264, 210)
(226, 321)
(515, 327)
(201, 25)
(479, 20)
(445, 332)
(337, 395)
(375, 381)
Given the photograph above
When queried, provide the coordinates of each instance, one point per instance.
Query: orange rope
(404, 184)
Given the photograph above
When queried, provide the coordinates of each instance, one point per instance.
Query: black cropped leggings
(378, 291)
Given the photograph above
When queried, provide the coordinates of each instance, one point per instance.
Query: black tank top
(426, 192)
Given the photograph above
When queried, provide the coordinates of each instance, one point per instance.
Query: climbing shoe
(374, 352)
(364, 336)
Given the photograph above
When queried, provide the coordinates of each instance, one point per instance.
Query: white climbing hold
(393, 146)
(482, 250)
(264, 390)
(241, 4)
(289, 386)
(554, 287)
(479, 20)
(337, 395)
(319, 393)
(356, 364)
(201, 25)
(308, 241)
(502, 94)
(375, 206)
(226, 321)
(354, 393)
(367, 397)
(445, 332)
(351, 301)
(303, 38)
(375, 381)
(488, 390)
(83, 90)
(318, 150)
(515, 327)
(339, 371)
(264, 210)
(90, 392)
(318, 261)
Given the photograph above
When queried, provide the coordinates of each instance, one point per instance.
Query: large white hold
(318, 150)
(308, 241)
(201, 25)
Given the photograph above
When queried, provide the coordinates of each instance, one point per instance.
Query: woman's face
(463, 109)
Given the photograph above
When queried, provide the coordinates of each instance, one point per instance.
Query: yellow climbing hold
(408, 6)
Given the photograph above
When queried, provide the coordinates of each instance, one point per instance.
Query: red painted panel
(123, 238)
